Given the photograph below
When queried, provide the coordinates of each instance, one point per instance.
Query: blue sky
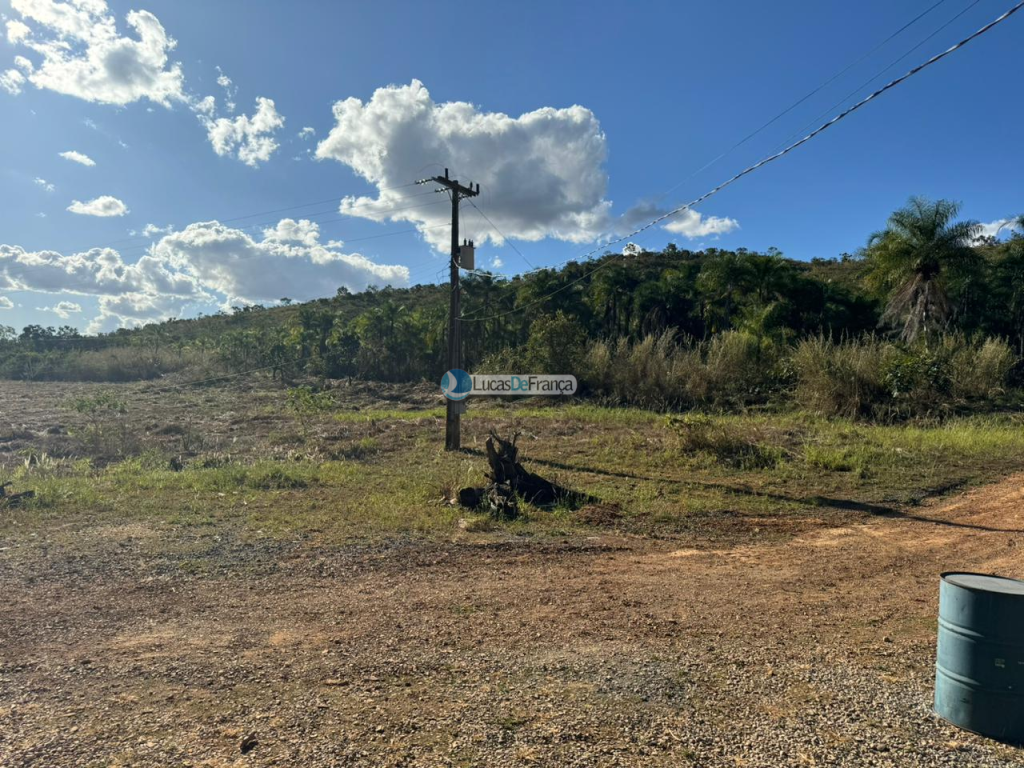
(575, 118)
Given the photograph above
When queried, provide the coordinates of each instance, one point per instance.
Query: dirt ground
(235, 416)
(486, 650)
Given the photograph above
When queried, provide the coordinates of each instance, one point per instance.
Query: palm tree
(919, 260)
(723, 280)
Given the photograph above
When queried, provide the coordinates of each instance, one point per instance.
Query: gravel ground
(486, 651)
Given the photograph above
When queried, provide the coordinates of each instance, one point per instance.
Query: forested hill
(925, 274)
(698, 292)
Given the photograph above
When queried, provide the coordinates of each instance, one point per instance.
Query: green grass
(660, 478)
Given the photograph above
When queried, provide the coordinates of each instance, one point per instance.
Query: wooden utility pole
(452, 430)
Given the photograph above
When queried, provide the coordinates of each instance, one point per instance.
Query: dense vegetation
(927, 316)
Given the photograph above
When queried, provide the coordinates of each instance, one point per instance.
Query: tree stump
(13, 499)
(509, 482)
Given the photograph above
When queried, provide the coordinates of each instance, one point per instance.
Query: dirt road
(604, 652)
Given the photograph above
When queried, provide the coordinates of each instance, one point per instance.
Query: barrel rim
(944, 578)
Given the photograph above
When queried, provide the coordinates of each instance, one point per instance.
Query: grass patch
(715, 477)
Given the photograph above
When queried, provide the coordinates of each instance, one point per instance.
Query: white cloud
(17, 31)
(100, 271)
(289, 261)
(205, 264)
(251, 139)
(83, 55)
(205, 107)
(541, 174)
(230, 90)
(63, 309)
(6, 303)
(103, 206)
(152, 229)
(997, 227)
(12, 81)
(44, 184)
(307, 132)
(497, 263)
(691, 224)
(78, 157)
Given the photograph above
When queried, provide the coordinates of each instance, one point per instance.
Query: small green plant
(107, 432)
(743, 446)
(361, 449)
(831, 459)
(308, 405)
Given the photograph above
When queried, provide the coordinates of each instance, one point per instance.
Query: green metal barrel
(979, 676)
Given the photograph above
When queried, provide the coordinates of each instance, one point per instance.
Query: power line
(501, 234)
(874, 77)
(764, 161)
(791, 107)
(804, 98)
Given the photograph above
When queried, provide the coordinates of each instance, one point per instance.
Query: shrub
(113, 364)
(509, 360)
(832, 459)
(308, 405)
(660, 372)
(840, 379)
(743, 447)
(982, 371)
(106, 433)
(555, 345)
(738, 367)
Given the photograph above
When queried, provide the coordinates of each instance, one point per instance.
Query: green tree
(919, 261)
(723, 280)
(555, 345)
(1006, 309)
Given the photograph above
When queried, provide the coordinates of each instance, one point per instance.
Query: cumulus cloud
(103, 206)
(44, 184)
(541, 173)
(12, 81)
(205, 264)
(250, 139)
(17, 31)
(98, 272)
(83, 55)
(78, 157)
(6, 303)
(151, 230)
(289, 261)
(691, 224)
(307, 132)
(230, 90)
(63, 309)
(999, 226)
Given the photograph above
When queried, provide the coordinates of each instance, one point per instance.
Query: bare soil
(174, 415)
(490, 650)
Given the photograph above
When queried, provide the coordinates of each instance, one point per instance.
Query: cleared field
(203, 565)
